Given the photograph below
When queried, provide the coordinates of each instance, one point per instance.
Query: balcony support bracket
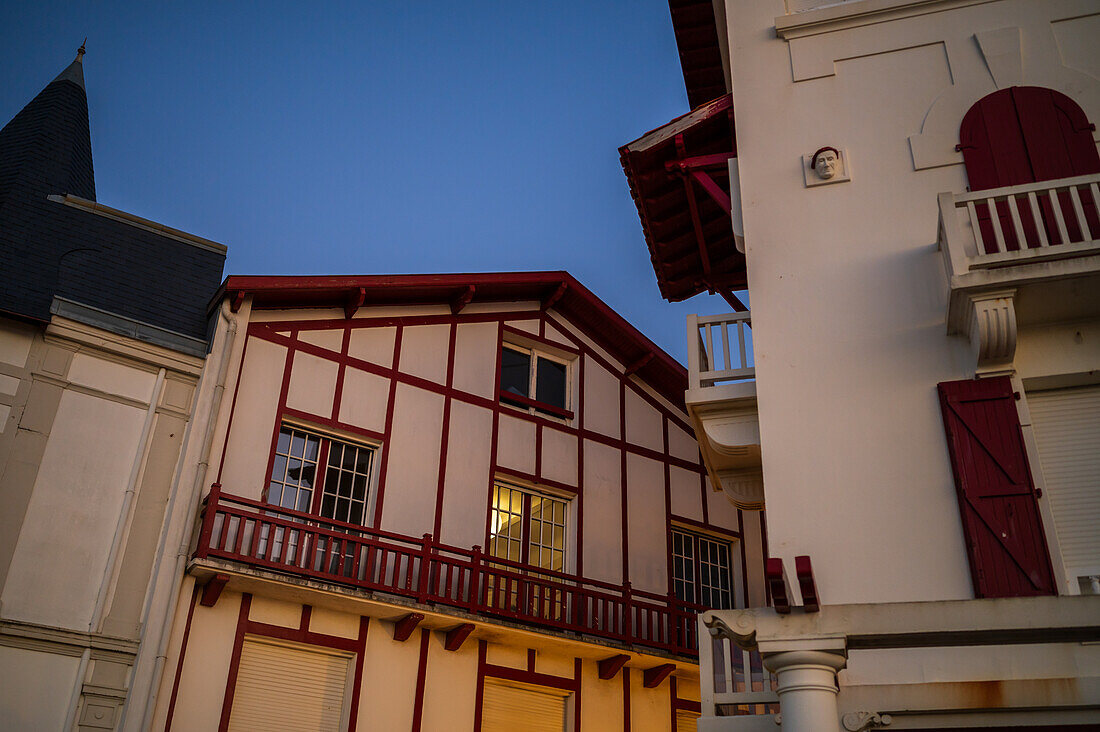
(213, 590)
(991, 327)
(653, 677)
(403, 628)
(457, 636)
(611, 666)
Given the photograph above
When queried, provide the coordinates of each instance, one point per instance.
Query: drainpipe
(177, 578)
(110, 576)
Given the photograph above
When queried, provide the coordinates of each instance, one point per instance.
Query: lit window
(701, 570)
(339, 492)
(535, 381)
(528, 527)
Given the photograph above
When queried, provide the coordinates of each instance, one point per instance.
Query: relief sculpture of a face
(826, 163)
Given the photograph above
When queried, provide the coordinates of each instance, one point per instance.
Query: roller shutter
(511, 707)
(288, 688)
(1067, 430)
(686, 721)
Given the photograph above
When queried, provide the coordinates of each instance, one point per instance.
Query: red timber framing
(679, 179)
(356, 554)
(697, 40)
(1005, 541)
(302, 634)
(525, 676)
(680, 705)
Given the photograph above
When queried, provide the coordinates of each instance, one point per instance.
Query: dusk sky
(376, 137)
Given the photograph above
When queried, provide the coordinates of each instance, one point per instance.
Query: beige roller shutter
(288, 687)
(685, 721)
(1067, 431)
(511, 707)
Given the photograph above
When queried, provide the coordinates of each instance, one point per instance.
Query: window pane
(550, 382)
(515, 372)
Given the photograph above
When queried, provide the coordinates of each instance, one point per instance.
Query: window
(701, 570)
(534, 380)
(339, 491)
(527, 527)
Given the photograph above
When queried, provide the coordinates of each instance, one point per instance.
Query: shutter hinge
(1016, 395)
(1038, 492)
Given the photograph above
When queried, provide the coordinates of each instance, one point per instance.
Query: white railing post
(693, 351)
(706, 669)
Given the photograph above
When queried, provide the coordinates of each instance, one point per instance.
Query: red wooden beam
(558, 294)
(634, 367)
(654, 676)
(734, 301)
(805, 573)
(457, 636)
(355, 301)
(775, 576)
(462, 300)
(713, 190)
(611, 666)
(693, 208)
(238, 300)
(213, 590)
(404, 627)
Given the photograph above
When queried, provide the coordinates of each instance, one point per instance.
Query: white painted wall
(848, 292)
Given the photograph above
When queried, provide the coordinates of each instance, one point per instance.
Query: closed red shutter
(1000, 513)
(1026, 134)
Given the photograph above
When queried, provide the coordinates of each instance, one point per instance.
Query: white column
(807, 689)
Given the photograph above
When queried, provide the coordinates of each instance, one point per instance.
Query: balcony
(1021, 255)
(370, 562)
(721, 400)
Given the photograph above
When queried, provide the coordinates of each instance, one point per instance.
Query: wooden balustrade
(734, 681)
(719, 349)
(422, 569)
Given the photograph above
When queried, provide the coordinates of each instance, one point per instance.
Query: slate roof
(50, 248)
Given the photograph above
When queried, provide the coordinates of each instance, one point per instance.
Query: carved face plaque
(826, 164)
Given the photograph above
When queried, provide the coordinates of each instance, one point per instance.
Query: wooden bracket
(237, 301)
(775, 576)
(638, 364)
(404, 627)
(553, 299)
(457, 636)
(611, 666)
(654, 676)
(806, 584)
(462, 300)
(213, 590)
(355, 301)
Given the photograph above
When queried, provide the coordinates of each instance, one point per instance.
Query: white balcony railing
(713, 343)
(999, 227)
(733, 681)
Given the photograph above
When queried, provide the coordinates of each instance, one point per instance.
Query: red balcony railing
(262, 535)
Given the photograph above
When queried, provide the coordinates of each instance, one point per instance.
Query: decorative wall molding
(1001, 51)
(860, 721)
(857, 14)
(744, 488)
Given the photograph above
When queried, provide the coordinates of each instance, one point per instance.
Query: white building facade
(926, 334)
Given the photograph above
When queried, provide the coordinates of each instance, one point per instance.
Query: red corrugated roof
(685, 268)
(570, 298)
(700, 53)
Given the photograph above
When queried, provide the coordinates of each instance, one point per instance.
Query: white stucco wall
(847, 288)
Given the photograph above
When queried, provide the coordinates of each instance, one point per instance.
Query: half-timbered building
(446, 502)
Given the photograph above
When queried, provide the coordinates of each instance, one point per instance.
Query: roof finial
(80, 51)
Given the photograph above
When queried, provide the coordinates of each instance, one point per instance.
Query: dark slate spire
(46, 148)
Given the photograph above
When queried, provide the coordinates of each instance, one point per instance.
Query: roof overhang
(557, 290)
(679, 179)
(702, 48)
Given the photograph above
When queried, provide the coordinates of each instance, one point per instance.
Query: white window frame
(535, 354)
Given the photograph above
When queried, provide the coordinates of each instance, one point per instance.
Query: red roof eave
(559, 290)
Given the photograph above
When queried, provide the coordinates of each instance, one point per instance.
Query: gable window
(317, 474)
(528, 527)
(534, 380)
(701, 570)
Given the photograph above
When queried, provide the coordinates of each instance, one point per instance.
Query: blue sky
(376, 137)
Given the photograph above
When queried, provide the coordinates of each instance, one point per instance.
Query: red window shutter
(1004, 535)
(1025, 134)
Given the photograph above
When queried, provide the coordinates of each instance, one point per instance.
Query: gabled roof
(557, 290)
(56, 242)
(679, 179)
